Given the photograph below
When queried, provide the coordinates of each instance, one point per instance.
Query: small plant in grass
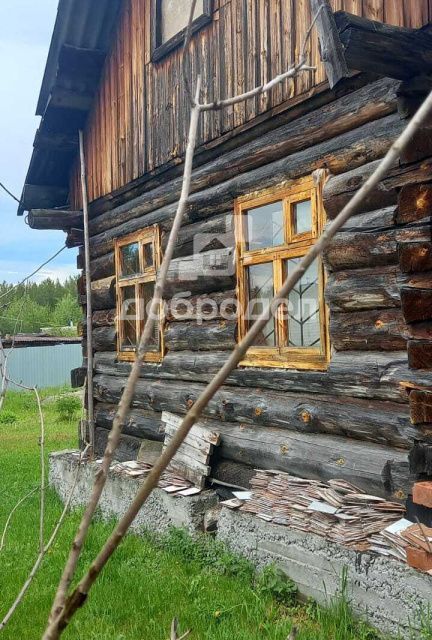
(207, 552)
(67, 407)
(273, 582)
(8, 417)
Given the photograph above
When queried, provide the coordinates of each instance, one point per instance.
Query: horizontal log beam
(369, 330)
(374, 375)
(384, 423)
(55, 219)
(361, 289)
(139, 424)
(386, 50)
(372, 248)
(205, 336)
(352, 149)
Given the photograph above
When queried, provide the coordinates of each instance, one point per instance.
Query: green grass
(149, 581)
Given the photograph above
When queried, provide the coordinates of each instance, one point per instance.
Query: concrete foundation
(386, 591)
(160, 512)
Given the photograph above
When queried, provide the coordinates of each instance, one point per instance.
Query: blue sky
(26, 28)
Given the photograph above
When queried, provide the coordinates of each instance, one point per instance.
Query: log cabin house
(340, 384)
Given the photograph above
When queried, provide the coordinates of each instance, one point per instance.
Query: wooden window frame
(158, 49)
(150, 235)
(295, 246)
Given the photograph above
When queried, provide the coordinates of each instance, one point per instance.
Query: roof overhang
(81, 39)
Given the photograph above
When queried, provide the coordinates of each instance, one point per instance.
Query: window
(169, 22)
(137, 259)
(273, 232)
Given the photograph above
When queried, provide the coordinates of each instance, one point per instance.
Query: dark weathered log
(374, 375)
(104, 318)
(211, 306)
(376, 469)
(127, 449)
(78, 377)
(379, 247)
(140, 424)
(420, 146)
(362, 289)
(384, 330)
(339, 190)
(416, 303)
(415, 203)
(385, 423)
(205, 336)
(103, 267)
(105, 339)
(103, 293)
(347, 151)
(375, 47)
(376, 220)
(420, 406)
(368, 103)
(201, 273)
(331, 49)
(420, 354)
(415, 256)
(55, 219)
(215, 233)
(74, 238)
(420, 459)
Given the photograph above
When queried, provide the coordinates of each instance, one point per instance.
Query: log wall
(139, 121)
(313, 423)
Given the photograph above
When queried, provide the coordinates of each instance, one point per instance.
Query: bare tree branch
(8, 521)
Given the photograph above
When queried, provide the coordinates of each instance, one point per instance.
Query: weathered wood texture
(385, 50)
(351, 149)
(370, 375)
(415, 256)
(421, 407)
(420, 354)
(54, 219)
(124, 142)
(140, 424)
(205, 336)
(384, 423)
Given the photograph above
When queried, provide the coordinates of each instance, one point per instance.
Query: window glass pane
(303, 308)
(146, 295)
(302, 212)
(265, 226)
(175, 16)
(260, 292)
(128, 318)
(148, 254)
(129, 258)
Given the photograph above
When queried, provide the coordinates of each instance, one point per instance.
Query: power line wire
(9, 193)
(15, 286)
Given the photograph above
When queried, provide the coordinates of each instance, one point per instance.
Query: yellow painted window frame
(295, 245)
(151, 235)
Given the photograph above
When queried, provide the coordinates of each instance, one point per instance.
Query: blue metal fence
(47, 366)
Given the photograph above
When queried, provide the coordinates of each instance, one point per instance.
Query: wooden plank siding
(140, 116)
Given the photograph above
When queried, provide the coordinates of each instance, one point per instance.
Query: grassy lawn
(148, 582)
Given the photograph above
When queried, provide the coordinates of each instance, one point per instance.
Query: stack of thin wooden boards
(335, 510)
(192, 459)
